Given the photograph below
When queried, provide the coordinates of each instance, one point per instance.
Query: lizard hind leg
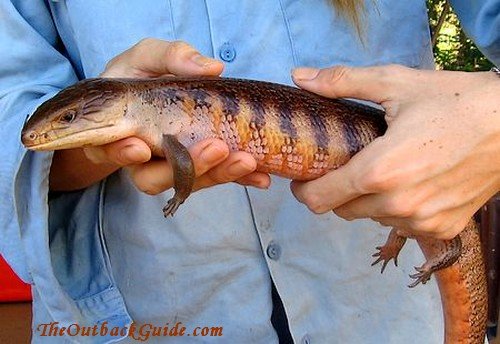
(446, 254)
(390, 250)
(183, 169)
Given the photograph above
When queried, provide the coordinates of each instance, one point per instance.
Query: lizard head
(91, 112)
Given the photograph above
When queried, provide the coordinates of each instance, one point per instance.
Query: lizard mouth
(60, 139)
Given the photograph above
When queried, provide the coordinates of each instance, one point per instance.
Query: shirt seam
(209, 28)
(172, 21)
(287, 25)
(79, 70)
(100, 229)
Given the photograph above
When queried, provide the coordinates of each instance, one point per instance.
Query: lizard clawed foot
(423, 275)
(172, 206)
(390, 250)
(385, 254)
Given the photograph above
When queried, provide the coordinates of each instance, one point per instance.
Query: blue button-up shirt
(106, 254)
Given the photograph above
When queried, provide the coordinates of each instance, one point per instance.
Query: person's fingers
(410, 228)
(256, 179)
(361, 207)
(317, 194)
(153, 57)
(120, 153)
(237, 165)
(376, 84)
(344, 184)
(156, 176)
(398, 203)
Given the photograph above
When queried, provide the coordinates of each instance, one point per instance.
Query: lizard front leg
(183, 169)
(390, 250)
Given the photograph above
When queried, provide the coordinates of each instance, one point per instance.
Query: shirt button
(306, 339)
(227, 52)
(273, 251)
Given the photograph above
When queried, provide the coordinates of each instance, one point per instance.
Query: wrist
(71, 170)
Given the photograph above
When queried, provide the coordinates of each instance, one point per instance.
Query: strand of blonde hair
(351, 10)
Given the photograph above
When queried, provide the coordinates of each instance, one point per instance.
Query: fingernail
(212, 153)
(201, 60)
(260, 183)
(239, 168)
(305, 73)
(132, 154)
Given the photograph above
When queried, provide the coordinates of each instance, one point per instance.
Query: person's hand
(438, 162)
(214, 164)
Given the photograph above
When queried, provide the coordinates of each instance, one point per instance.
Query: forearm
(483, 107)
(491, 120)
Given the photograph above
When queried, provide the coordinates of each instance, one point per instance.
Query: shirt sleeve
(480, 20)
(32, 70)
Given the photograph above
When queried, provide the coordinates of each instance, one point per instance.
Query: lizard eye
(68, 117)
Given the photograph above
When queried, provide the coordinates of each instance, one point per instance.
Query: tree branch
(440, 23)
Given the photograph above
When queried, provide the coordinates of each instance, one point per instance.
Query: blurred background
(452, 49)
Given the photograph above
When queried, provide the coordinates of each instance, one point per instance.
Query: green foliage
(452, 49)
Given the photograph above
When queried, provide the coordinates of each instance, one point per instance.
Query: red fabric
(12, 289)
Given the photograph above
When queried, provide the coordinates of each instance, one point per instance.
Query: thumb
(121, 153)
(377, 84)
(154, 57)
